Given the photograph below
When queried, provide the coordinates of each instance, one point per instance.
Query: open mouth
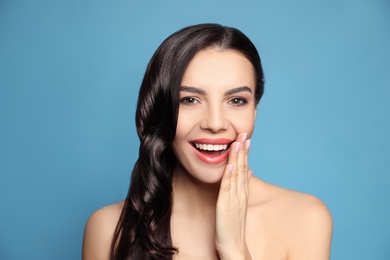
(211, 149)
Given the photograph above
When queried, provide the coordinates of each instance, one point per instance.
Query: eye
(238, 101)
(188, 100)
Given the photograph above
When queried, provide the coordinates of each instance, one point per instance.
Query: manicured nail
(243, 137)
(237, 148)
(247, 144)
(230, 167)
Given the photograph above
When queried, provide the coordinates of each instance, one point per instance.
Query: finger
(247, 145)
(233, 158)
(242, 165)
(250, 173)
(224, 189)
(228, 172)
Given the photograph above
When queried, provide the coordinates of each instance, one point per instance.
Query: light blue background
(69, 78)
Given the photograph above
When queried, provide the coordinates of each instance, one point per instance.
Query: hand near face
(232, 203)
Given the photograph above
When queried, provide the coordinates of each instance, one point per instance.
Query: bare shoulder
(99, 232)
(295, 204)
(302, 221)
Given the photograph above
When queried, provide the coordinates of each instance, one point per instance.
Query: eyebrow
(193, 90)
(227, 93)
(237, 90)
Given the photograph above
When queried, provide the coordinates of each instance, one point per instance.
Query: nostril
(214, 123)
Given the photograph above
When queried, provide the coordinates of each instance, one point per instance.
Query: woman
(192, 195)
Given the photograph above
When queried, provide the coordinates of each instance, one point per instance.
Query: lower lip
(211, 159)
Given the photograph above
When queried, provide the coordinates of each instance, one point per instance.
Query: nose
(214, 119)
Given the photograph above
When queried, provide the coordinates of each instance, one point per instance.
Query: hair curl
(143, 231)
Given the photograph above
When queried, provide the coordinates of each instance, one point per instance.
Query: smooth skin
(222, 211)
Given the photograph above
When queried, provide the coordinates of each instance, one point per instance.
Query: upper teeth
(211, 147)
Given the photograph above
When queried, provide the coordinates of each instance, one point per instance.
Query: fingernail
(247, 144)
(237, 148)
(243, 137)
(230, 167)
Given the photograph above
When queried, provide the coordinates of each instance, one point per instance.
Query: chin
(199, 171)
(208, 175)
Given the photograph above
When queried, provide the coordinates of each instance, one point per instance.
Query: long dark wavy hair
(144, 231)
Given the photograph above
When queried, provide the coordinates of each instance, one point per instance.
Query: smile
(212, 147)
(211, 151)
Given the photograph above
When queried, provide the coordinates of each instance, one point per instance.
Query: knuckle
(242, 167)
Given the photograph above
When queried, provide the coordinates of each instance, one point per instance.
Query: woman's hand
(232, 203)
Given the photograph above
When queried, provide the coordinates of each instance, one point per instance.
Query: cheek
(244, 123)
(184, 126)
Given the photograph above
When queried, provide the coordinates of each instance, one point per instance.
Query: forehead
(215, 67)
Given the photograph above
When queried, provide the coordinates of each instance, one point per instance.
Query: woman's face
(217, 102)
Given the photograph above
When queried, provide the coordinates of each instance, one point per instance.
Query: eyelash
(189, 100)
(238, 101)
(234, 101)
